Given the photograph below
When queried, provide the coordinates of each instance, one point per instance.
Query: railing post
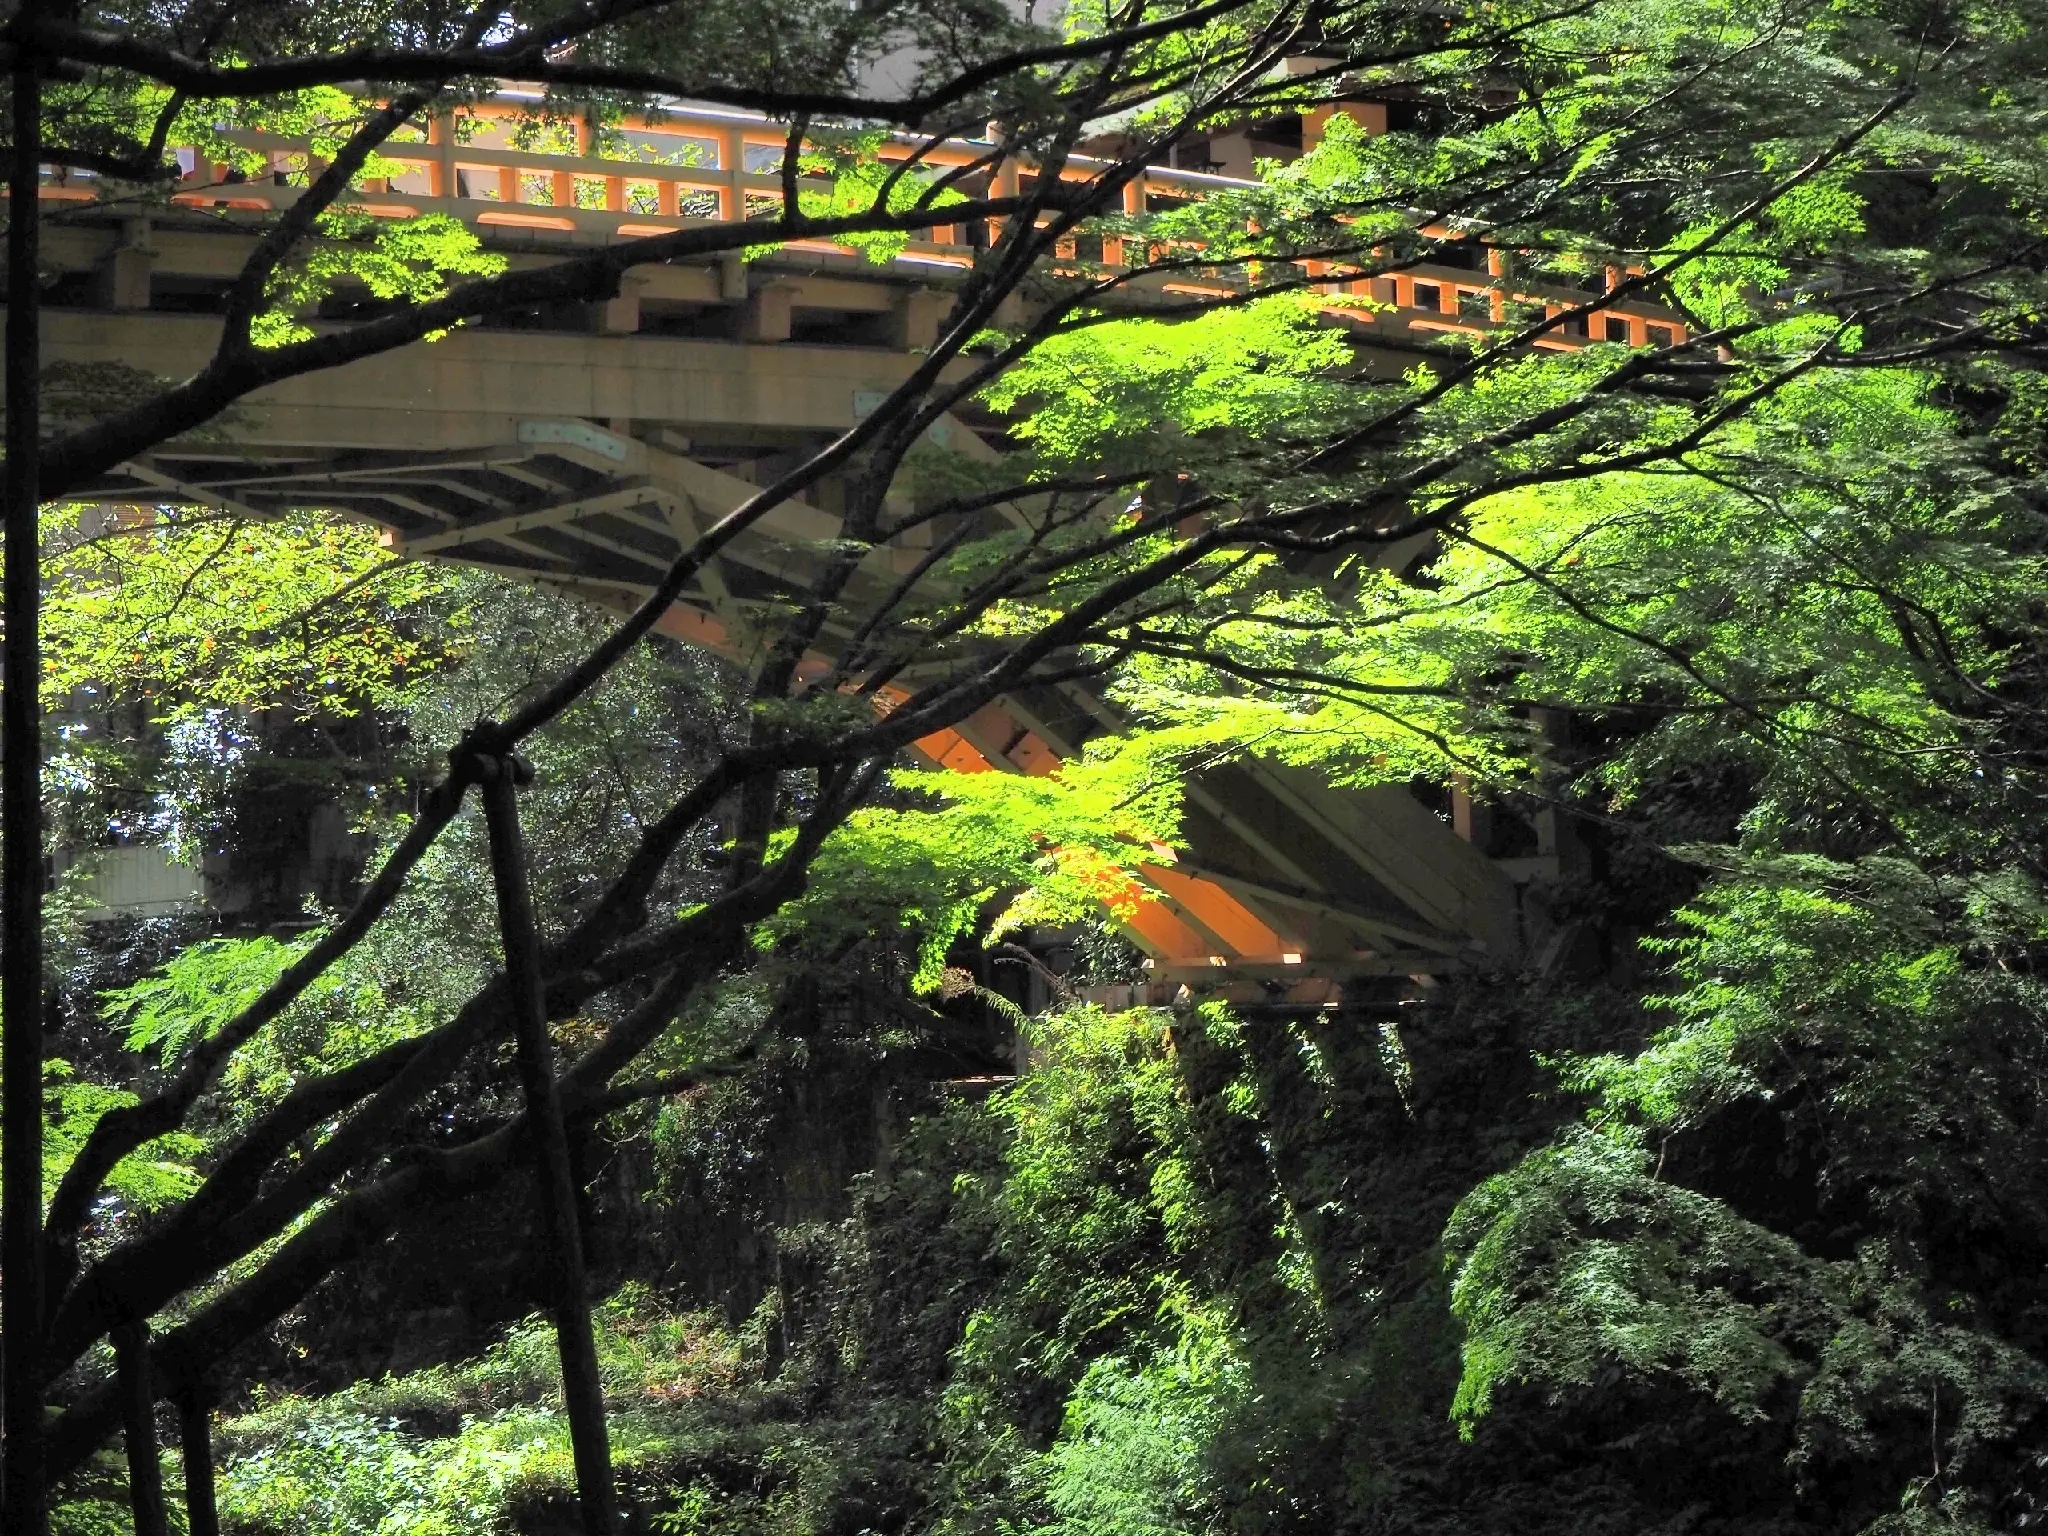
(501, 774)
(732, 159)
(1113, 252)
(441, 172)
(1002, 184)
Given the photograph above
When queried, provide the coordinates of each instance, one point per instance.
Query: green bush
(463, 1447)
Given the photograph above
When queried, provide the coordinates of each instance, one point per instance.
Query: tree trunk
(138, 1426)
(195, 1439)
(582, 1392)
(21, 848)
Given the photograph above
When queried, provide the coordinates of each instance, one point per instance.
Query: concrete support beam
(629, 494)
(124, 280)
(123, 277)
(620, 316)
(768, 313)
(916, 320)
(1557, 838)
(1471, 819)
(1386, 832)
(1232, 154)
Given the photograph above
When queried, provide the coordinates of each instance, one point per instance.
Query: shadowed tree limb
(582, 1391)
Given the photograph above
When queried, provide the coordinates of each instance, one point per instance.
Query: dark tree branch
(526, 57)
(22, 1485)
(576, 1345)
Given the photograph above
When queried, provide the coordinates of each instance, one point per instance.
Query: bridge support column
(917, 317)
(620, 316)
(768, 314)
(1556, 838)
(123, 277)
(1471, 819)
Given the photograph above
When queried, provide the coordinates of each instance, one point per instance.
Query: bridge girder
(1290, 889)
(580, 459)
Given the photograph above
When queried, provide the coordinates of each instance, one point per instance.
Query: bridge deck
(579, 453)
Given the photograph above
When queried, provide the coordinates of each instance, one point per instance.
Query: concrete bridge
(577, 450)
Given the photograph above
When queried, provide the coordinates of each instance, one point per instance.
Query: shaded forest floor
(1187, 1275)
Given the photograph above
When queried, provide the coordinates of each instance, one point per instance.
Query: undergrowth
(482, 1445)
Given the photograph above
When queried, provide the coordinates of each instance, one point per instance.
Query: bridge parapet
(583, 458)
(699, 165)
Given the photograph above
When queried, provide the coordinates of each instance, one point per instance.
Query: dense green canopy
(1728, 1214)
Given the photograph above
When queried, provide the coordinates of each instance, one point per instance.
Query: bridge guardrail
(700, 165)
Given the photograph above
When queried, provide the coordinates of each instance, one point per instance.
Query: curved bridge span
(579, 451)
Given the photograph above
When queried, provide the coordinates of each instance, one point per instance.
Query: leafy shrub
(1865, 1014)
(1135, 1453)
(459, 1448)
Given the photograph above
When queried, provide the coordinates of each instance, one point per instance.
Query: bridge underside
(581, 463)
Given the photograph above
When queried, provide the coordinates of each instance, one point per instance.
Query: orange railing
(708, 165)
